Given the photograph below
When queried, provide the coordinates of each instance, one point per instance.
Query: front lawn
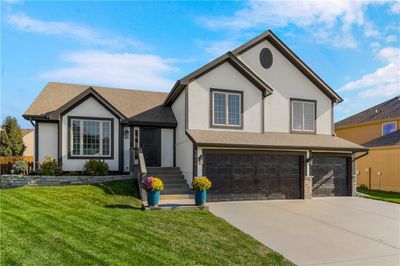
(381, 195)
(103, 225)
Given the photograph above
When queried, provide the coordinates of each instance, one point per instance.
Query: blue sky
(353, 46)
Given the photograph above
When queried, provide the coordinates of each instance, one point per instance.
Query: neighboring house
(28, 136)
(257, 121)
(377, 128)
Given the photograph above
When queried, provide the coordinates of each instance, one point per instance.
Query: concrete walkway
(321, 231)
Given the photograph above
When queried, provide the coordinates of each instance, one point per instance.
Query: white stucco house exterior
(257, 121)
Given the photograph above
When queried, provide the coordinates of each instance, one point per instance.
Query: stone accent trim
(12, 181)
(353, 185)
(308, 181)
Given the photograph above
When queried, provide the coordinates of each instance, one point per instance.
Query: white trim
(100, 154)
(390, 122)
(227, 109)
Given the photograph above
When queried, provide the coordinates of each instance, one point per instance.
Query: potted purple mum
(153, 186)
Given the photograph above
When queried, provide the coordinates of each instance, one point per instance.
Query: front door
(150, 142)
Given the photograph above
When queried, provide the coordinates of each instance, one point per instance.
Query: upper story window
(389, 127)
(303, 115)
(226, 108)
(90, 137)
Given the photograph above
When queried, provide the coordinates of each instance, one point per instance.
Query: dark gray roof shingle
(385, 110)
(390, 139)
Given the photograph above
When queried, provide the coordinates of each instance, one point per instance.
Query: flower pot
(200, 197)
(153, 197)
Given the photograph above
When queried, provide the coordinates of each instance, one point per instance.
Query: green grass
(104, 225)
(381, 195)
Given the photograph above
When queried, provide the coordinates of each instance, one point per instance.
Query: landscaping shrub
(362, 186)
(73, 173)
(20, 167)
(49, 167)
(201, 183)
(95, 167)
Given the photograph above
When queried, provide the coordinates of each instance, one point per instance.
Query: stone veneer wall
(354, 185)
(11, 181)
(308, 187)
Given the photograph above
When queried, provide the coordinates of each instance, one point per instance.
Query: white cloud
(391, 38)
(395, 8)
(219, 47)
(81, 33)
(385, 81)
(137, 71)
(329, 22)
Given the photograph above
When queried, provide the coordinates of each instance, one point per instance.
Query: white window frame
(314, 116)
(226, 93)
(100, 154)
(386, 123)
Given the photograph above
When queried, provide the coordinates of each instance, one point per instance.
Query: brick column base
(308, 187)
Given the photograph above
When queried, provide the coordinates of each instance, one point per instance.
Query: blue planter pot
(200, 197)
(153, 197)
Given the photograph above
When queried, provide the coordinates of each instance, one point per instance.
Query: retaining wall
(11, 181)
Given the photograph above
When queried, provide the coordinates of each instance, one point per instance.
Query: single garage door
(240, 175)
(330, 176)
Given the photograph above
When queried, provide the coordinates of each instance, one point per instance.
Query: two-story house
(377, 128)
(257, 121)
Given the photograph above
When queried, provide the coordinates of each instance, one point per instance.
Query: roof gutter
(362, 155)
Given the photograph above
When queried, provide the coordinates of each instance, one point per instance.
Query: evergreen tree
(11, 143)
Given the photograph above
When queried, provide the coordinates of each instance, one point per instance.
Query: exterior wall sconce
(126, 134)
(310, 160)
(200, 159)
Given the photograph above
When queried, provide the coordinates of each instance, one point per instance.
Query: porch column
(308, 178)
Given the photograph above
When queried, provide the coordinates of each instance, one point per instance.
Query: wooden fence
(380, 169)
(6, 163)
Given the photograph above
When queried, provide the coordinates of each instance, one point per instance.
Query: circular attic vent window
(266, 58)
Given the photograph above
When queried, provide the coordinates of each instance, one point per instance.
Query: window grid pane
(308, 116)
(233, 109)
(219, 108)
(106, 138)
(91, 137)
(297, 115)
(76, 137)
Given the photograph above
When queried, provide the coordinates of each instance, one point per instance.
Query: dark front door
(330, 176)
(242, 175)
(150, 142)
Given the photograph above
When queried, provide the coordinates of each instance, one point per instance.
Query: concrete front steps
(175, 185)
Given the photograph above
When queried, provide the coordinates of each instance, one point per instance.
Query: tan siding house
(378, 129)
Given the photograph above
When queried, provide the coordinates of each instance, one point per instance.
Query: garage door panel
(330, 176)
(246, 176)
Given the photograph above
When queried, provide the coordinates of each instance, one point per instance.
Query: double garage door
(240, 175)
(247, 175)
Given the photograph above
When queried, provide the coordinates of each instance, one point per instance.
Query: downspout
(30, 120)
(362, 155)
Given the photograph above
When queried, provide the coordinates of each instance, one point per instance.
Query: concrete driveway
(321, 231)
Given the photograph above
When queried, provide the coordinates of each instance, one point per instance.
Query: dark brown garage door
(239, 175)
(330, 176)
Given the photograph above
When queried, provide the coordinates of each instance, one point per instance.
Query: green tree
(11, 143)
